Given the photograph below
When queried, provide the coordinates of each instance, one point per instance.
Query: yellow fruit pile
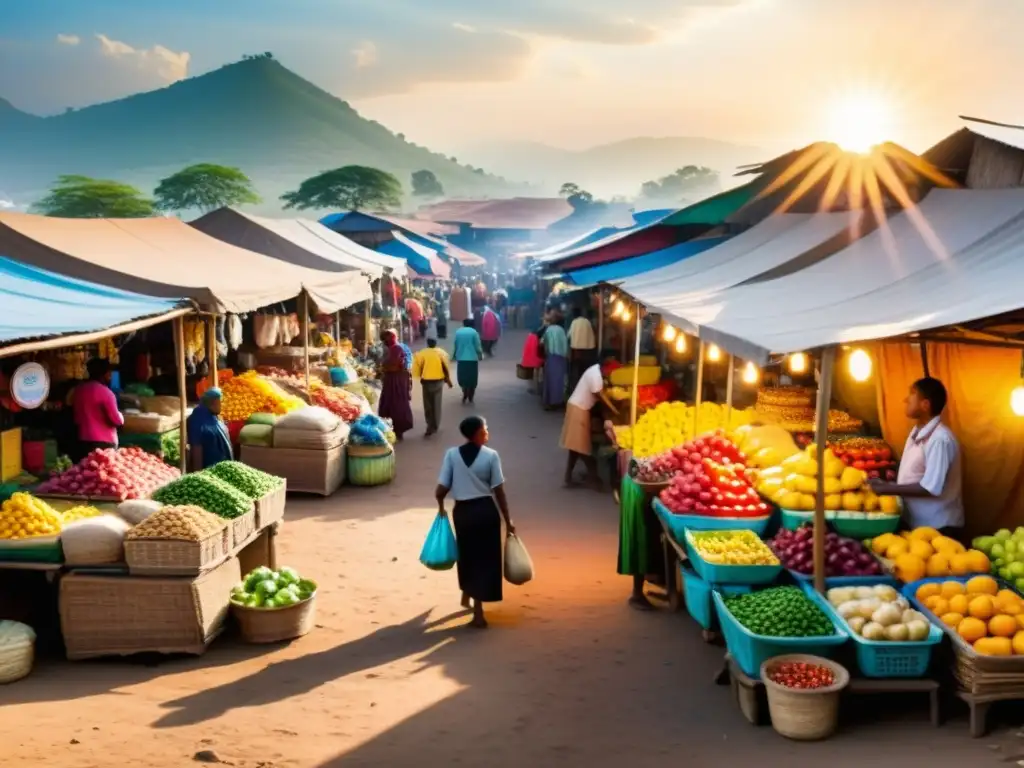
(794, 485)
(252, 393)
(987, 618)
(733, 548)
(80, 513)
(670, 424)
(923, 552)
(765, 446)
(23, 516)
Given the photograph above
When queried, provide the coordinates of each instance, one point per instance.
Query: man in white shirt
(576, 427)
(582, 346)
(929, 479)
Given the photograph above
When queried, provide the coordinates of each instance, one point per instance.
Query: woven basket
(242, 528)
(369, 451)
(148, 425)
(261, 625)
(270, 508)
(371, 470)
(318, 471)
(16, 661)
(171, 557)
(804, 715)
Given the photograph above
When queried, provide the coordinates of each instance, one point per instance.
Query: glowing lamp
(619, 309)
(798, 363)
(680, 343)
(626, 315)
(1017, 401)
(860, 365)
(714, 353)
(668, 334)
(750, 374)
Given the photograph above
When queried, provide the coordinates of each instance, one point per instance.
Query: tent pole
(728, 392)
(600, 321)
(700, 386)
(828, 360)
(305, 336)
(179, 344)
(211, 348)
(366, 326)
(636, 372)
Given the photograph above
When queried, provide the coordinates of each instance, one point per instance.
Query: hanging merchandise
(234, 331)
(265, 330)
(108, 351)
(195, 342)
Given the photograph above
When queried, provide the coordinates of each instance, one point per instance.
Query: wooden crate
(174, 557)
(125, 615)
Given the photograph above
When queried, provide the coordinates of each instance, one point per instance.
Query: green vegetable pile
(264, 588)
(779, 612)
(204, 490)
(252, 482)
(170, 445)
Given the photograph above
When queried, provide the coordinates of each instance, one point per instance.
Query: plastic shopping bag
(518, 565)
(440, 551)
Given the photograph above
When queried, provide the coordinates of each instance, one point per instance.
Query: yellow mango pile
(23, 516)
(252, 393)
(794, 485)
(670, 424)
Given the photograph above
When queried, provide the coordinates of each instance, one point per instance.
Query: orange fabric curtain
(979, 381)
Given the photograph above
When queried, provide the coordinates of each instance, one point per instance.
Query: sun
(859, 121)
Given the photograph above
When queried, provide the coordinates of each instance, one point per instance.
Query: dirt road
(567, 675)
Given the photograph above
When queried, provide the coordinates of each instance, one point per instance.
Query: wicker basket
(172, 557)
(150, 424)
(317, 471)
(242, 529)
(16, 660)
(804, 715)
(124, 615)
(369, 451)
(260, 625)
(371, 470)
(270, 508)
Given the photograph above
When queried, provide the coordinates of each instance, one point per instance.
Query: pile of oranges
(987, 618)
(923, 552)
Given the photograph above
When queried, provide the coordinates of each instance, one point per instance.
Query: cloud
(50, 77)
(365, 54)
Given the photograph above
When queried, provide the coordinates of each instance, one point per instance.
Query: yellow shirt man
(431, 363)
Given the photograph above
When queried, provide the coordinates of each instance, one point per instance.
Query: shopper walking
(469, 351)
(430, 366)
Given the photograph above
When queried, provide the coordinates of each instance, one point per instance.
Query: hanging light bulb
(626, 315)
(668, 333)
(798, 363)
(1017, 401)
(680, 343)
(860, 365)
(751, 374)
(619, 309)
(714, 353)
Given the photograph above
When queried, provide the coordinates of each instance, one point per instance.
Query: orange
(1009, 606)
(951, 588)
(983, 585)
(1002, 626)
(909, 567)
(960, 564)
(897, 548)
(994, 646)
(924, 533)
(937, 605)
(1020, 620)
(1018, 643)
(982, 607)
(971, 629)
(1007, 594)
(953, 619)
(958, 604)
(978, 561)
(947, 545)
(880, 544)
(938, 565)
(921, 548)
(928, 590)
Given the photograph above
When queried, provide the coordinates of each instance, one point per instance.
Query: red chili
(802, 676)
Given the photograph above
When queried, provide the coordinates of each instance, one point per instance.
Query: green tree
(685, 181)
(81, 197)
(351, 188)
(205, 187)
(426, 184)
(575, 195)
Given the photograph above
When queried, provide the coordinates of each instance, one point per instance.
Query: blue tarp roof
(620, 270)
(37, 303)
(416, 255)
(645, 218)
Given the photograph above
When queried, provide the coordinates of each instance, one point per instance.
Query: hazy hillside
(612, 169)
(254, 114)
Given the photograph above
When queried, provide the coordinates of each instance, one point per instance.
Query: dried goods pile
(207, 492)
(342, 403)
(80, 512)
(116, 473)
(793, 409)
(178, 523)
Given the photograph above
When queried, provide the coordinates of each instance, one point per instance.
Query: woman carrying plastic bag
(440, 551)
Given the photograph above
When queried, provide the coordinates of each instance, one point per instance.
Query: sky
(568, 73)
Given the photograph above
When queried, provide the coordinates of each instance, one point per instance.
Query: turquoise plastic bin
(750, 651)
(730, 574)
(678, 524)
(697, 594)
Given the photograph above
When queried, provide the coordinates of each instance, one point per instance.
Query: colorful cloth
(576, 431)
(468, 373)
(555, 369)
(96, 413)
(531, 352)
(490, 325)
(556, 342)
(395, 396)
(467, 346)
(634, 559)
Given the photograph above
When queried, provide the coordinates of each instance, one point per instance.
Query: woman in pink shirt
(95, 409)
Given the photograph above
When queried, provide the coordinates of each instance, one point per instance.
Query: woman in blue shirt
(472, 475)
(468, 352)
(208, 439)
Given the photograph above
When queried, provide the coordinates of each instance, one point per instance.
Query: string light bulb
(751, 374)
(680, 343)
(626, 315)
(669, 333)
(860, 365)
(798, 363)
(714, 353)
(619, 309)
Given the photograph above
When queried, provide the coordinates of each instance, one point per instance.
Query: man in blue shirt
(468, 352)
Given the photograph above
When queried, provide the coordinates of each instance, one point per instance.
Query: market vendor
(929, 478)
(576, 429)
(95, 409)
(208, 440)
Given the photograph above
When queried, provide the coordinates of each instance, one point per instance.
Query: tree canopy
(426, 184)
(352, 188)
(685, 181)
(82, 197)
(206, 187)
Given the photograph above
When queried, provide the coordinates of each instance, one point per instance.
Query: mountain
(613, 169)
(254, 114)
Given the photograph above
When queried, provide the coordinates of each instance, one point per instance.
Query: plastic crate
(750, 651)
(859, 526)
(697, 594)
(678, 524)
(887, 658)
(730, 574)
(794, 518)
(807, 582)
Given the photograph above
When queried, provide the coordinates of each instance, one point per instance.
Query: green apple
(1003, 533)
(984, 543)
(1017, 569)
(1004, 573)
(998, 563)
(1019, 583)
(1010, 547)
(997, 550)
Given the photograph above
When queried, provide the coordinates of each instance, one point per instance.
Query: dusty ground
(568, 675)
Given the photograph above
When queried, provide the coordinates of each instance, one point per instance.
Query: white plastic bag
(309, 419)
(518, 565)
(94, 540)
(135, 511)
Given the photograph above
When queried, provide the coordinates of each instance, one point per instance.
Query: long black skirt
(478, 532)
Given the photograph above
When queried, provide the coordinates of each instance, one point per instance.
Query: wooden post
(600, 321)
(366, 327)
(337, 327)
(636, 371)
(179, 344)
(828, 360)
(305, 336)
(728, 392)
(700, 386)
(211, 348)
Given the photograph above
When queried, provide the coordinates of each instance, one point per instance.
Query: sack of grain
(94, 541)
(257, 434)
(135, 511)
(311, 419)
